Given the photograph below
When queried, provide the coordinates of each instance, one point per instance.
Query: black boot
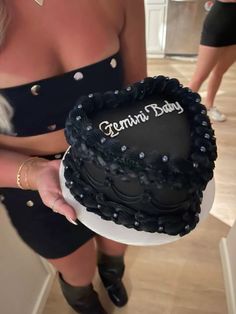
(83, 300)
(111, 270)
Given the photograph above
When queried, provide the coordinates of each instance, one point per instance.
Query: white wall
(25, 279)
(228, 255)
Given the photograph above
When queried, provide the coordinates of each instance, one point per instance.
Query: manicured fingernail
(72, 221)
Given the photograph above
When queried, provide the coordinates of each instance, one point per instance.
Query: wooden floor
(184, 277)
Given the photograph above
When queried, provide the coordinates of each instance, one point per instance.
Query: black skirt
(40, 107)
(219, 29)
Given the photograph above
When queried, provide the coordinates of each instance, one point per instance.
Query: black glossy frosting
(141, 156)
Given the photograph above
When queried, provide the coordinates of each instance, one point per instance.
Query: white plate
(111, 230)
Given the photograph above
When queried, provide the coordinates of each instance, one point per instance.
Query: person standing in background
(217, 52)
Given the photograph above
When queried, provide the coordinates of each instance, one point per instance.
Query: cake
(142, 156)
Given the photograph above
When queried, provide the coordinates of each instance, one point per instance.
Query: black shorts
(219, 29)
(40, 107)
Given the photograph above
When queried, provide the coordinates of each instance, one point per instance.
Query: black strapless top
(42, 106)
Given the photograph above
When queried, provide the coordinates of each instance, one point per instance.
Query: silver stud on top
(195, 165)
(207, 136)
(78, 118)
(116, 92)
(203, 149)
(89, 128)
(30, 203)
(113, 63)
(90, 95)
(123, 148)
(78, 76)
(35, 90)
(103, 140)
(115, 215)
(79, 106)
(58, 156)
(52, 127)
(136, 223)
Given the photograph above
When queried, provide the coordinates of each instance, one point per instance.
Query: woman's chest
(60, 39)
(87, 29)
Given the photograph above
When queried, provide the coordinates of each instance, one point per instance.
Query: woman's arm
(36, 174)
(40, 145)
(9, 165)
(132, 42)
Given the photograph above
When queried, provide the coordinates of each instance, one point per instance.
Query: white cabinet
(155, 12)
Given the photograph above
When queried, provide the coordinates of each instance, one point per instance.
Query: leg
(223, 64)
(207, 59)
(78, 268)
(52, 236)
(76, 272)
(111, 269)
(110, 247)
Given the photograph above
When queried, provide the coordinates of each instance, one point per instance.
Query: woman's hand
(44, 177)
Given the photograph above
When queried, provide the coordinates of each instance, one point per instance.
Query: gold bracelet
(18, 176)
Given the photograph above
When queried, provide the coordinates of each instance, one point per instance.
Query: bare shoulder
(121, 10)
(115, 10)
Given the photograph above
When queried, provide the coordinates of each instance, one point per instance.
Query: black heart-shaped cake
(141, 156)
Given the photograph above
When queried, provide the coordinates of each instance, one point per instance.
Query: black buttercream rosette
(141, 156)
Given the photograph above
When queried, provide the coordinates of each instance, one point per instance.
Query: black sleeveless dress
(40, 107)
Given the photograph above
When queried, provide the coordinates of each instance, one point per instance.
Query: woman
(217, 52)
(50, 54)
